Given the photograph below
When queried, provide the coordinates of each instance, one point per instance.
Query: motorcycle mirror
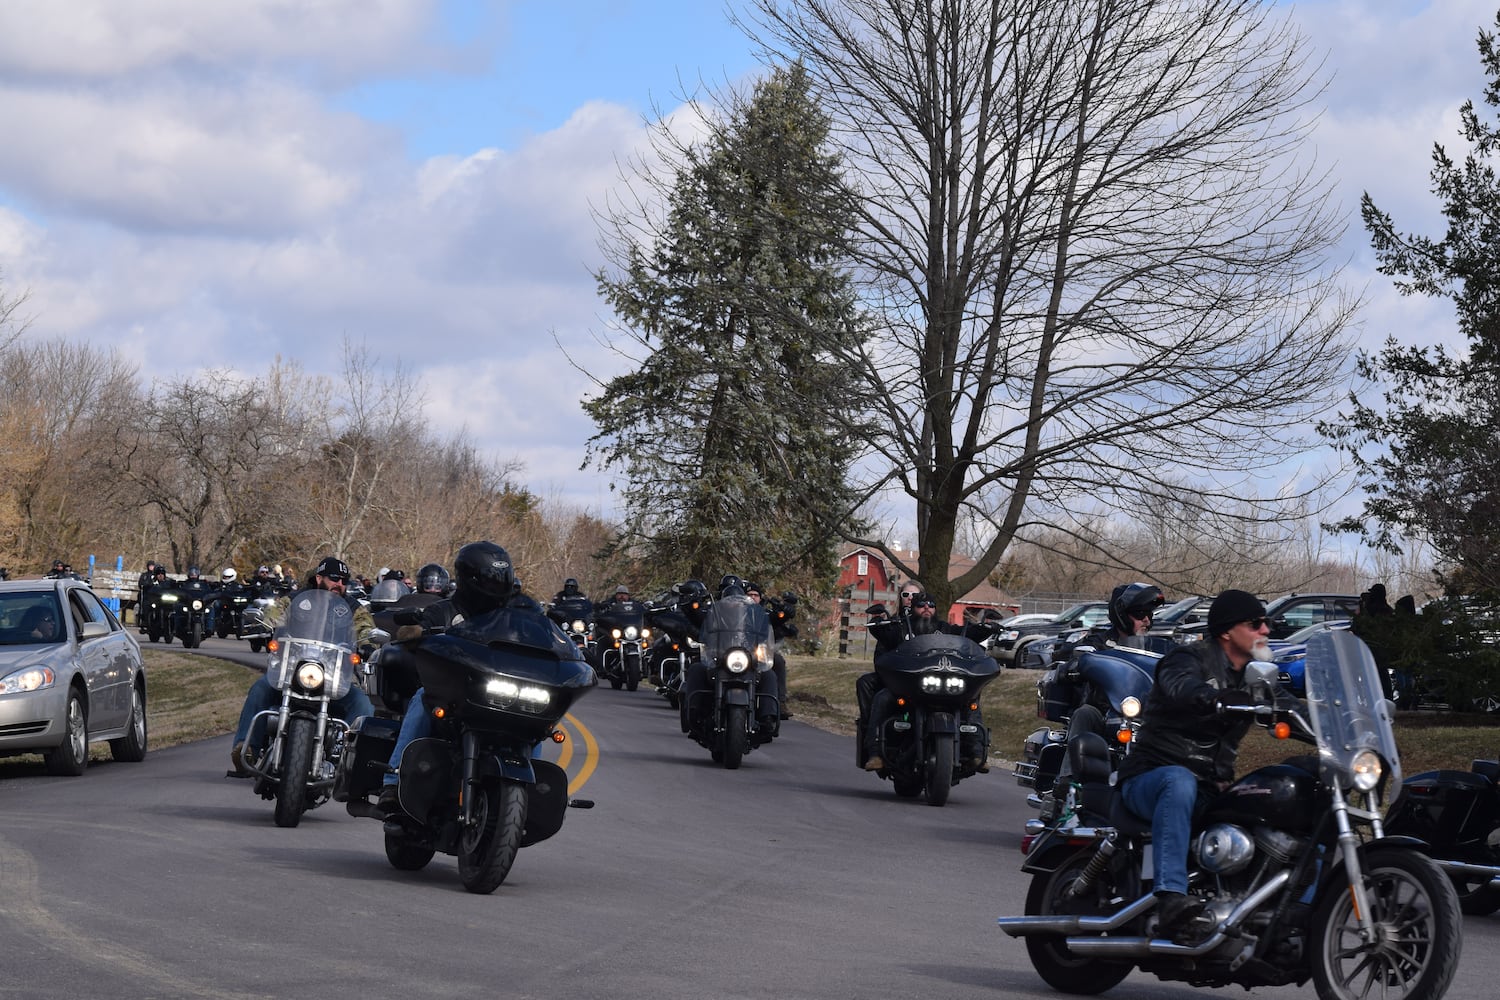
(1260, 678)
(378, 637)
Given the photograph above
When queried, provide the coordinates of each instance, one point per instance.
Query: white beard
(1261, 650)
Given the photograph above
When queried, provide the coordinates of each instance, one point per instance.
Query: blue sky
(200, 184)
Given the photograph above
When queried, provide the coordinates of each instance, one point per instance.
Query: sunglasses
(1141, 616)
(910, 593)
(335, 577)
(924, 604)
(1256, 624)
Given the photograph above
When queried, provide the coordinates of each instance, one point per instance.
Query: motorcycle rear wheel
(487, 850)
(296, 765)
(1475, 896)
(1059, 967)
(1418, 923)
(735, 736)
(939, 776)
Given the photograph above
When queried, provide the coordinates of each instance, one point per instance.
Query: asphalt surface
(796, 876)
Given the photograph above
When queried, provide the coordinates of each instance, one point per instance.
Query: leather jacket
(1180, 724)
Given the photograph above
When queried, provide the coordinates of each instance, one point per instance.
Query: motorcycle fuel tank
(1281, 796)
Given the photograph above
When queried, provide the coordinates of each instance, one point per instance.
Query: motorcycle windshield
(1349, 712)
(517, 627)
(574, 607)
(736, 622)
(1119, 673)
(940, 650)
(318, 628)
(621, 614)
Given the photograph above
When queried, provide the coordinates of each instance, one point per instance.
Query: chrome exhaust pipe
(1074, 924)
(1140, 947)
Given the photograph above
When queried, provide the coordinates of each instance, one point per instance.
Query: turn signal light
(558, 736)
(1282, 731)
(1123, 736)
(440, 712)
(273, 646)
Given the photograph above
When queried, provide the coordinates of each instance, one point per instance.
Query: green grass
(821, 693)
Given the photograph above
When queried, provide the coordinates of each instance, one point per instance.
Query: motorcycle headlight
(738, 661)
(645, 633)
(508, 694)
(169, 598)
(630, 632)
(30, 679)
(197, 605)
(1130, 707)
(1367, 769)
(931, 684)
(615, 633)
(578, 625)
(310, 675)
(954, 685)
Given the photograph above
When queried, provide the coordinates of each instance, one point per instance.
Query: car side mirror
(93, 630)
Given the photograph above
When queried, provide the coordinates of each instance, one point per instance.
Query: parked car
(1291, 612)
(1290, 654)
(70, 675)
(1010, 645)
(1181, 618)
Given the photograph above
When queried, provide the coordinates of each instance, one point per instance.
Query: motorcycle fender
(737, 696)
(518, 769)
(942, 724)
(547, 802)
(1049, 851)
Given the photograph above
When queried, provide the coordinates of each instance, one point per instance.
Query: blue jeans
(263, 696)
(1165, 796)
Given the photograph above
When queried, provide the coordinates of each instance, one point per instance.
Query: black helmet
(731, 584)
(484, 576)
(433, 579)
(193, 573)
(570, 586)
(333, 567)
(692, 589)
(1140, 598)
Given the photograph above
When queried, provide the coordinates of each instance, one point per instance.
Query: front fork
(1349, 844)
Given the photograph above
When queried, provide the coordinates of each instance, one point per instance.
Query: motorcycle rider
(889, 633)
(331, 574)
(143, 583)
(484, 581)
(782, 628)
(695, 680)
(923, 621)
(1186, 749)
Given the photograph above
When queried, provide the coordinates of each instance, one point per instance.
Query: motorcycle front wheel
(1417, 929)
(632, 672)
(735, 736)
(1059, 967)
(939, 776)
(296, 765)
(487, 849)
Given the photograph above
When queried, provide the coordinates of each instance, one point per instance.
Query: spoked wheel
(296, 764)
(1059, 967)
(939, 772)
(735, 736)
(488, 848)
(1417, 929)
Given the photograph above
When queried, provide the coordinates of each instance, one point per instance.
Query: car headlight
(954, 685)
(1010, 635)
(738, 661)
(310, 675)
(30, 679)
(931, 684)
(578, 625)
(1130, 707)
(1367, 769)
(630, 632)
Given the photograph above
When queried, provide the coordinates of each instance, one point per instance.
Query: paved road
(796, 876)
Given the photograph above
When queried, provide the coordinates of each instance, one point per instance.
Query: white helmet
(229, 575)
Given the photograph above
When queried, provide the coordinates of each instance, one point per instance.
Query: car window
(86, 608)
(29, 617)
(1300, 614)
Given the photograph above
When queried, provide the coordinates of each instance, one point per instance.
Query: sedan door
(107, 667)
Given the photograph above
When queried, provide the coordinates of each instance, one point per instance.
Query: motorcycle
(934, 679)
(156, 613)
(1299, 877)
(312, 661)
(1456, 814)
(575, 615)
(497, 686)
(677, 621)
(620, 639)
(1116, 677)
(727, 715)
(229, 618)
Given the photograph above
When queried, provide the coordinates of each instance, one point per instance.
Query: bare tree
(1095, 247)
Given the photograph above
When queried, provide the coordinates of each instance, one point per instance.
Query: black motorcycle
(1299, 878)
(575, 616)
(312, 661)
(156, 612)
(497, 685)
(935, 679)
(620, 638)
(676, 623)
(727, 716)
(1456, 815)
(229, 616)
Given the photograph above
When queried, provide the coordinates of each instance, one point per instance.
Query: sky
(205, 185)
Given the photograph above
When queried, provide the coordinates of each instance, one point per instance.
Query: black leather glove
(1234, 698)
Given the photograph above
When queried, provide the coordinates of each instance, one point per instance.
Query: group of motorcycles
(191, 610)
(1326, 867)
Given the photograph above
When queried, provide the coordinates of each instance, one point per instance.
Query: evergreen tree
(1434, 472)
(723, 430)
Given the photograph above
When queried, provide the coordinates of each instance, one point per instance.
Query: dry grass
(821, 692)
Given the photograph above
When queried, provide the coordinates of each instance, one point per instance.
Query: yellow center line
(590, 755)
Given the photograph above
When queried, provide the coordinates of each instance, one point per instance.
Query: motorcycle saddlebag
(367, 750)
(548, 802)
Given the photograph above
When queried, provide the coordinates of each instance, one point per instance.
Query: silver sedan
(70, 675)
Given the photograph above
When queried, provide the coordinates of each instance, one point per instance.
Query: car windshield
(30, 617)
(1174, 612)
(1074, 613)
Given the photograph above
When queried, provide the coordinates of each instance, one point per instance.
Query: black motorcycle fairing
(737, 623)
(901, 669)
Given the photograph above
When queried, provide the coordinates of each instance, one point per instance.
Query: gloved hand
(406, 633)
(1234, 698)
